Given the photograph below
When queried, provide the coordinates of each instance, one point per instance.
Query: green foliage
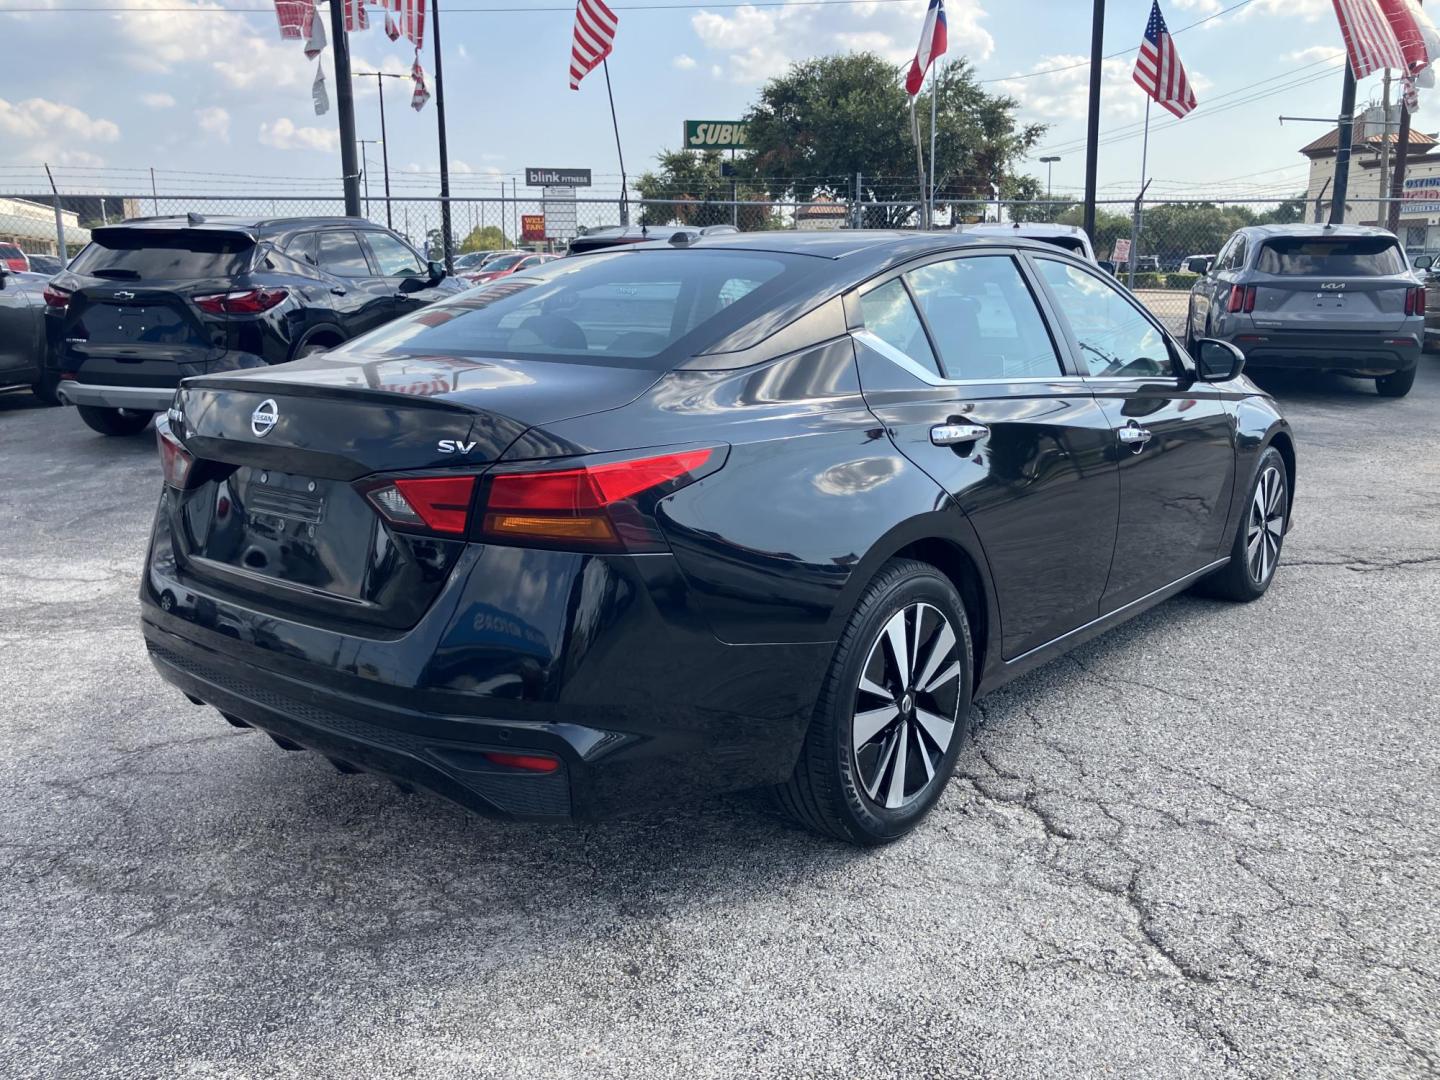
(699, 194)
(1109, 227)
(485, 238)
(828, 118)
(1180, 280)
(1289, 212)
(1148, 280)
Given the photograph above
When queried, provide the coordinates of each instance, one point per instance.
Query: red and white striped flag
(421, 93)
(411, 21)
(1417, 37)
(315, 40)
(355, 17)
(593, 40)
(1158, 69)
(1369, 39)
(294, 16)
(934, 40)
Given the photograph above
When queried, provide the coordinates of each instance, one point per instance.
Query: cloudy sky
(214, 96)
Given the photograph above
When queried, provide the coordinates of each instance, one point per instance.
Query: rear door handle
(338, 290)
(956, 434)
(1134, 437)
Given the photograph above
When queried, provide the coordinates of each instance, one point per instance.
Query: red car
(506, 265)
(12, 258)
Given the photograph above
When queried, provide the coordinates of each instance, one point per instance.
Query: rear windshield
(620, 305)
(162, 255)
(1348, 256)
(10, 251)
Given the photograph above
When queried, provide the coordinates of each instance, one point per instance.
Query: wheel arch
(1281, 440)
(328, 334)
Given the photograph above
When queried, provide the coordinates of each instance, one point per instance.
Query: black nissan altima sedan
(657, 522)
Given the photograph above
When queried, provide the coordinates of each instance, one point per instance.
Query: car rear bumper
(1321, 350)
(139, 398)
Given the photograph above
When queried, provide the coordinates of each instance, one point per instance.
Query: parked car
(1430, 275)
(154, 300)
(1338, 298)
(637, 528)
(473, 260)
(505, 265)
(1195, 264)
(1069, 237)
(1146, 264)
(22, 333)
(12, 258)
(625, 235)
(49, 265)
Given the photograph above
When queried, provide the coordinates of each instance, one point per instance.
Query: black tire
(114, 421)
(44, 388)
(847, 793)
(1244, 578)
(1397, 385)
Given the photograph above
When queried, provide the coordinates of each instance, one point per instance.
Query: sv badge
(455, 446)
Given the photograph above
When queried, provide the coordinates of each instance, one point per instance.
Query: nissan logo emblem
(265, 417)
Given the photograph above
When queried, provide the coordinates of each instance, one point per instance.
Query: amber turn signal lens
(592, 527)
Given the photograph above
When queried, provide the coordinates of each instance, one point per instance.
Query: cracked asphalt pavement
(1203, 845)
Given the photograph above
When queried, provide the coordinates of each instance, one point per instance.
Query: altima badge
(265, 417)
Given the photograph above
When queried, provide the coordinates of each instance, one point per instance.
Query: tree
(485, 238)
(826, 119)
(691, 190)
(1289, 212)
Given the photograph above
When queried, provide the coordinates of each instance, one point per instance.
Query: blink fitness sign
(1422, 196)
(716, 134)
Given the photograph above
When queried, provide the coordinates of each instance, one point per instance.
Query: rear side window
(341, 254)
(163, 255)
(984, 318)
(622, 305)
(890, 316)
(302, 247)
(1341, 256)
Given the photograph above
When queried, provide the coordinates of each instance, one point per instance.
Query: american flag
(594, 38)
(294, 16)
(1369, 37)
(412, 20)
(1158, 69)
(355, 17)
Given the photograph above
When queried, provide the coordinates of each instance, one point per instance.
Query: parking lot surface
(1203, 845)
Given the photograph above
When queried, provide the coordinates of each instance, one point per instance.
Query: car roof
(1306, 229)
(845, 244)
(1023, 228)
(256, 226)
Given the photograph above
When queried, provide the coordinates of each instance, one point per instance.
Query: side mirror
(1107, 266)
(1423, 262)
(437, 271)
(1218, 361)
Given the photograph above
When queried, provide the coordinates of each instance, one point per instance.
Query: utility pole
(1092, 122)
(1342, 154)
(380, 78)
(1380, 214)
(345, 109)
(445, 238)
(1397, 179)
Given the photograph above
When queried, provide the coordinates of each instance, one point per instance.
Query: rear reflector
(244, 302)
(438, 503)
(528, 762)
(175, 461)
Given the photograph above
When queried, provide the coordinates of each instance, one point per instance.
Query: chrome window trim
(924, 374)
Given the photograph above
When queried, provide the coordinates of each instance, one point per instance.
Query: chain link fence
(1167, 240)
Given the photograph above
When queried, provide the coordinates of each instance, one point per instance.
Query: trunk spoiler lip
(261, 385)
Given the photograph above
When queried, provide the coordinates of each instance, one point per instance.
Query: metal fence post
(59, 220)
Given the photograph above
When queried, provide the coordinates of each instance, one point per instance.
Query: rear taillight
(1242, 298)
(243, 302)
(175, 461)
(607, 505)
(1249, 299)
(1415, 300)
(56, 298)
(438, 504)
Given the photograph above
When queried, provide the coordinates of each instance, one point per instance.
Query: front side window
(341, 254)
(393, 257)
(985, 321)
(890, 316)
(1114, 338)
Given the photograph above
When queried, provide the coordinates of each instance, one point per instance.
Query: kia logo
(265, 417)
(1333, 285)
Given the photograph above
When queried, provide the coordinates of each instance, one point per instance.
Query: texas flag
(932, 44)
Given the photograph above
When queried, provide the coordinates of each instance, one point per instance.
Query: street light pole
(1049, 163)
(380, 78)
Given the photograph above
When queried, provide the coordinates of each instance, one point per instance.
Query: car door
(1173, 440)
(364, 299)
(406, 274)
(974, 391)
(19, 328)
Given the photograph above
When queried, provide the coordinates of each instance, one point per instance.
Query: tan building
(31, 227)
(1419, 213)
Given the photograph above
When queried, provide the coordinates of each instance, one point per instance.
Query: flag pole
(1135, 218)
(919, 160)
(934, 94)
(624, 185)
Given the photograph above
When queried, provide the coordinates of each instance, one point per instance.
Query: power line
(516, 10)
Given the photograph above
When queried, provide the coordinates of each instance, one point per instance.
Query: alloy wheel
(906, 705)
(1266, 527)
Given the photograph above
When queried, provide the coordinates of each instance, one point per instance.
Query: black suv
(154, 300)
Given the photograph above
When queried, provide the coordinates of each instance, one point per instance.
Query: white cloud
(763, 42)
(1314, 54)
(214, 120)
(683, 62)
(39, 130)
(158, 101)
(283, 134)
(1064, 92)
(1309, 10)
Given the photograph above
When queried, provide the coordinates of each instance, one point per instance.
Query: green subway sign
(715, 134)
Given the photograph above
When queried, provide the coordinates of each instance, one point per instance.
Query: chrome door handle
(956, 434)
(338, 290)
(1134, 437)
